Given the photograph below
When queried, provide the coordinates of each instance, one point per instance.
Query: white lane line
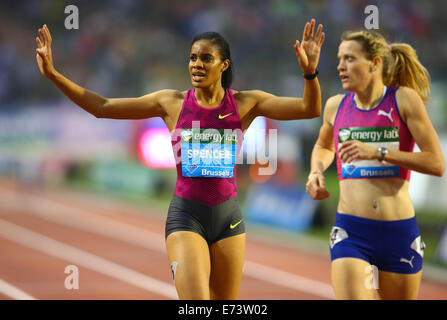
(13, 292)
(82, 219)
(289, 280)
(79, 257)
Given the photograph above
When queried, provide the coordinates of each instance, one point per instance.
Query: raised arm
(309, 106)
(147, 106)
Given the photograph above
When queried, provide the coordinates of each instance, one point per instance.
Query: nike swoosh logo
(232, 226)
(222, 117)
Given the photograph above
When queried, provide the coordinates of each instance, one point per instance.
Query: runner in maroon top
(210, 190)
(205, 232)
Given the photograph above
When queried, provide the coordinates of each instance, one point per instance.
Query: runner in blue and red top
(375, 242)
(205, 232)
(381, 126)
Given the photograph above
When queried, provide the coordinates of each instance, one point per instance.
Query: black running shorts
(213, 223)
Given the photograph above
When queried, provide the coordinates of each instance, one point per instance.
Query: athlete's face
(206, 64)
(355, 70)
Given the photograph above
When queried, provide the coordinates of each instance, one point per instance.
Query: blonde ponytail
(408, 71)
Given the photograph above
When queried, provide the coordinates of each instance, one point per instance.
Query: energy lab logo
(344, 134)
(186, 135)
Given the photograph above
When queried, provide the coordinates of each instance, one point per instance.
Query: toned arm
(164, 103)
(430, 159)
(323, 151)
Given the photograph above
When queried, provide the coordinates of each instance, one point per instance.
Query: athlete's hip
(394, 246)
(213, 223)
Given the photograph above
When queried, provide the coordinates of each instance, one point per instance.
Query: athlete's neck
(370, 97)
(209, 97)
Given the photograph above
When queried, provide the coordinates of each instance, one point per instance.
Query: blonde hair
(401, 65)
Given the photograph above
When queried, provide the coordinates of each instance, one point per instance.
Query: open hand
(308, 51)
(43, 52)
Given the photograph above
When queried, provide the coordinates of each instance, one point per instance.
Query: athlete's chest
(224, 116)
(379, 127)
(209, 139)
(384, 115)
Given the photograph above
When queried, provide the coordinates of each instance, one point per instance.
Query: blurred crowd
(129, 48)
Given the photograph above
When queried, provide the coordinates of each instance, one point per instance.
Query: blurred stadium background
(130, 48)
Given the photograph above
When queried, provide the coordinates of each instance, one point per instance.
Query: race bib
(208, 152)
(387, 137)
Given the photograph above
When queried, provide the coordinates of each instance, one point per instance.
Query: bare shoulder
(170, 99)
(171, 102)
(251, 95)
(408, 101)
(247, 100)
(171, 94)
(405, 95)
(331, 107)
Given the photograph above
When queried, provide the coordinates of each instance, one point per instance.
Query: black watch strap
(311, 76)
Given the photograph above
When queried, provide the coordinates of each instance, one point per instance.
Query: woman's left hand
(356, 150)
(308, 51)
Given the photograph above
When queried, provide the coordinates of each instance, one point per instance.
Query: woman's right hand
(43, 52)
(316, 187)
(308, 51)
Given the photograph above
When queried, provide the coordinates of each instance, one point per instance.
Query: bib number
(208, 152)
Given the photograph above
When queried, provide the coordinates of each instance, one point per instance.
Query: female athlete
(372, 131)
(205, 232)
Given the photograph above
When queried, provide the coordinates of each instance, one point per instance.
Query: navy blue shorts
(213, 223)
(393, 246)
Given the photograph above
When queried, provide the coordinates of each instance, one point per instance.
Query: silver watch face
(383, 151)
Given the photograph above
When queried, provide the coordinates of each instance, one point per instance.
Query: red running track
(119, 252)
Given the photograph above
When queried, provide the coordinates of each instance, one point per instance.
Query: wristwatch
(382, 151)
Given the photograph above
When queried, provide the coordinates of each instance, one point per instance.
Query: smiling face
(355, 70)
(205, 64)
